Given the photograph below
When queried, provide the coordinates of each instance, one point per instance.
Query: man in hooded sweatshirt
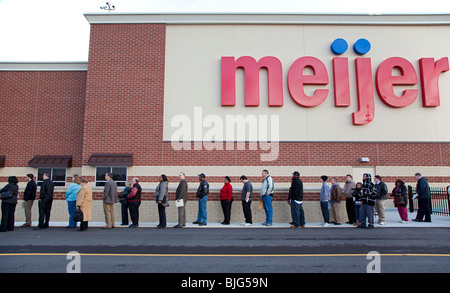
(369, 194)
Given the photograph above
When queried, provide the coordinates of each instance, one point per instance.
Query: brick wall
(42, 114)
(320, 154)
(125, 93)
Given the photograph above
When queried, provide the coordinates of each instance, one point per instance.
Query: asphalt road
(227, 250)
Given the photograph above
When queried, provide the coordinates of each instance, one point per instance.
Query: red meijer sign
(384, 82)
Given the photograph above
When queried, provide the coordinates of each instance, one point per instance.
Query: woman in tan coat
(84, 202)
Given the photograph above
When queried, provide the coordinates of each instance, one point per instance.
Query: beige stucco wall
(193, 77)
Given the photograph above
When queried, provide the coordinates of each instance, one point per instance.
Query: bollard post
(410, 197)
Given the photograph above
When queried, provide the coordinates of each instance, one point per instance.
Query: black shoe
(177, 226)
(202, 224)
(196, 222)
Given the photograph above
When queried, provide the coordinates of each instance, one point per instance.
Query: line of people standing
(365, 198)
(361, 200)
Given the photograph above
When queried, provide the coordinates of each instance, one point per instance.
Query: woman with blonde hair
(84, 202)
(71, 198)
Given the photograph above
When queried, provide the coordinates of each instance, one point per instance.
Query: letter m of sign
(251, 80)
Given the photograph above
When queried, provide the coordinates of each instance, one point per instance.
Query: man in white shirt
(267, 195)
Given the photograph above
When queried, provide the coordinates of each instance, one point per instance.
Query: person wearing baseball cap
(325, 195)
(202, 194)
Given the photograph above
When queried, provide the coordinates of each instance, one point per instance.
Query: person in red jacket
(226, 199)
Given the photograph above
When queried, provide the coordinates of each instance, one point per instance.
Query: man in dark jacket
(423, 199)
(181, 196)
(202, 194)
(368, 197)
(29, 195)
(8, 205)
(45, 201)
(295, 199)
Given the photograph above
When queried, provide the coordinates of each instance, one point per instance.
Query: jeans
(366, 211)
(357, 210)
(298, 215)
(325, 211)
(202, 213)
(72, 207)
(267, 203)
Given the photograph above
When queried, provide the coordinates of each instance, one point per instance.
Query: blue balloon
(361, 47)
(339, 46)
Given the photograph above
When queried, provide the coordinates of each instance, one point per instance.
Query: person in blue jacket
(71, 198)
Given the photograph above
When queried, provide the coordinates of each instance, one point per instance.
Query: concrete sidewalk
(392, 220)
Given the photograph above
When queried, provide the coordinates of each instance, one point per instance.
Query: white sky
(56, 30)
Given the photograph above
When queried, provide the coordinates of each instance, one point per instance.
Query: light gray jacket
(267, 186)
(325, 194)
(162, 191)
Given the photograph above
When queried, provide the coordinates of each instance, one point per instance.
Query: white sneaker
(404, 222)
(325, 224)
(382, 223)
(247, 224)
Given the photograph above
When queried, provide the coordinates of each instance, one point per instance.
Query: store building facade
(231, 95)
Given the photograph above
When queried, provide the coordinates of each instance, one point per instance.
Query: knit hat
(324, 178)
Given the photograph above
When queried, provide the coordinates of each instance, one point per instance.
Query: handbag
(7, 194)
(78, 215)
(400, 200)
(261, 205)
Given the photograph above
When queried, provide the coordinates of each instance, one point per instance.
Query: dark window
(57, 175)
(119, 175)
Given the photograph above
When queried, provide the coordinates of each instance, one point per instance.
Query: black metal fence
(439, 200)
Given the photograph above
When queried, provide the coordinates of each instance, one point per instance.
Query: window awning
(110, 160)
(2, 161)
(51, 161)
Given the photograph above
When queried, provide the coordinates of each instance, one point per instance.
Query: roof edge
(269, 18)
(43, 66)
